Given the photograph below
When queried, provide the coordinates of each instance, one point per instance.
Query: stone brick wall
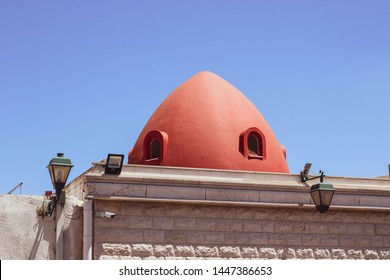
(146, 230)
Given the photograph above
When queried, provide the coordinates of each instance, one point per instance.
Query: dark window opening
(255, 146)
(154, 149)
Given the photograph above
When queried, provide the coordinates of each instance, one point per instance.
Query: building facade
(208, 179)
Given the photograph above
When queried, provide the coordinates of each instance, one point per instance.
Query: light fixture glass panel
(114, 161)
(315, 195)
(61, 173)
(326, 197)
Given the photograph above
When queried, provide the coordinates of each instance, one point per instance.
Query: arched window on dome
(154, 148)
(255, 146)
(155, 145)
(252, 144)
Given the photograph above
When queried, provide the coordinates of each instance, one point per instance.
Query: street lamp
(59, 169)
(321, 193)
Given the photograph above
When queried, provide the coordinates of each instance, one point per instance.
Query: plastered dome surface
(208, 123)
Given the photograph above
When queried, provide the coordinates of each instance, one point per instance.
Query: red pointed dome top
(208, 123)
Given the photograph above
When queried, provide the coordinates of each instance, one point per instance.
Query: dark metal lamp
(59, 169)
(321, 193)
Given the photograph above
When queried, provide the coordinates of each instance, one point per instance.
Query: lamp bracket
(305, 177)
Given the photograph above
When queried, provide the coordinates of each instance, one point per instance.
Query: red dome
(208, 123)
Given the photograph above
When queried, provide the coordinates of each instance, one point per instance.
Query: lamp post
(59, 169)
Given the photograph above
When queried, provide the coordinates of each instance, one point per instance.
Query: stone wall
(145, 230)
(23, 234)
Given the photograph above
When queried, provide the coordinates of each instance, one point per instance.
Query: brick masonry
(145, 230)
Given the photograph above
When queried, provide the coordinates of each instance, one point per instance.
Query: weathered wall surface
(73, 229)
(26, 236)
(23, 234)
(143, 230)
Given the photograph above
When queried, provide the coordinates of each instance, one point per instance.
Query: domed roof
(208, 123)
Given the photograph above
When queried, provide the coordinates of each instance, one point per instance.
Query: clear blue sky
(83, 77)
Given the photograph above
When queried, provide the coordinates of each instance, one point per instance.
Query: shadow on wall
(45, 230)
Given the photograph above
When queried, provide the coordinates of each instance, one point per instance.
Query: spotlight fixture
(321, 193)
(114, 164)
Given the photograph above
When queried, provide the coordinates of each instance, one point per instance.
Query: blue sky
(83, 77)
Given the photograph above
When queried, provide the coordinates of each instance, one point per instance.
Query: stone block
(311, 239)
(329, 240)
(131, 209)
(258, 239)
(322, 254)
(175, 236)
(262, 213)
(242, 238)
(304, 253)
(185, 224)
(153, 236)
(310, 216)
(194, 237)
(171, 192)
(354, 228)
(369, 229)
(267, 253)
(156, 210)
(371, 254)
(229, 252)
(384, 254)
(184, 251)
(106, 235)
(114, 207)
(230, 238)
(128, 235)
(363, 240)
(293, 239)
(338, 254)
(214, 237)
(164, 251)
(114, 249)
(245, 213)
(355, 254)
(346, 240)
(235, 225)
(232, 195)
(117, 222)
(206, 252)
(284, 197)
(318, 228)
(251, 226)
(249, 252)
(339, 216)
(283, 227)
(386, 241)
(376, 241)
(142, 250)
(163, 223)
(228, 212)
(207, 224)
(382, 229)
(177, 210)
(277, 239)
(140, 222)
(267, 226)
(337, 228)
